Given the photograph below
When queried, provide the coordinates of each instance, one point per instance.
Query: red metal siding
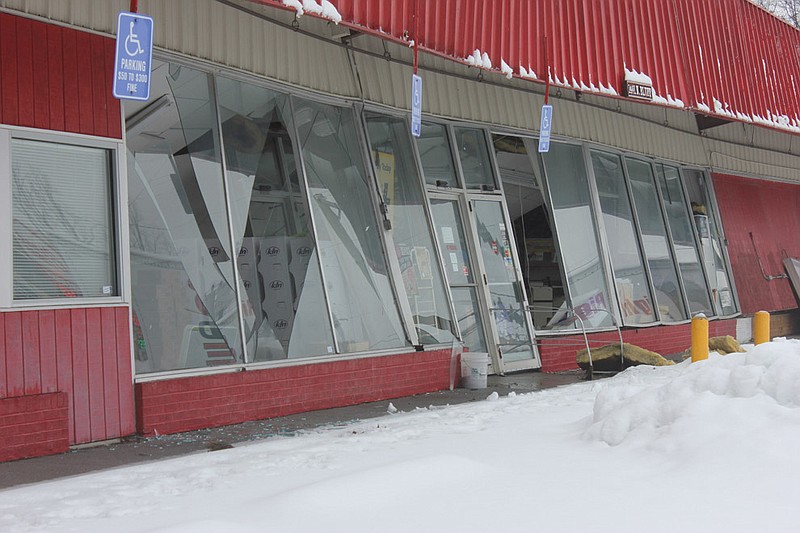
(771, 212)
(84, 353)
(56, 78)
(695, 51)
(184, 404)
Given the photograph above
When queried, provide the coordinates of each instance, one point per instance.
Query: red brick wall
(184, 404)
(34, 425)
(559, 353)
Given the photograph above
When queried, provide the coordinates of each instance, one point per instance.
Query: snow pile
(479, 59)
(708, 446)
(324, 9)
(727, 397)
(527, 73)
(668, 101)
(505, 69)
(635, 76)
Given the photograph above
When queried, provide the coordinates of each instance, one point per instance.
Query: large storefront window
(401, 190)
(348, 236)
(586, 278)
(185, 309)
(657, 249)
(284, 308)
(682, 231)
(63, 224)
(711, 248)
(623, 242)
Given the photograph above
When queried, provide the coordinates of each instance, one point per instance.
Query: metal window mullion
(668, 226)
(432, 229)
(640, 239)
(212, 83)
(711, 194)
(600, 234)
(450, 137)
(696, 237)
(387, 239)
(301, 168)
(6, 221)
(124, 232)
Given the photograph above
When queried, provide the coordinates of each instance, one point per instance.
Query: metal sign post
(133, 59)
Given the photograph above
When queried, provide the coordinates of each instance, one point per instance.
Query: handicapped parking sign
(132, 62)
(416, 105)
(545, 128)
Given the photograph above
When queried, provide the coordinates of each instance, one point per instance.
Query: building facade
(264, 235)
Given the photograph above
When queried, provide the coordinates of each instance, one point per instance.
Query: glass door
(502, 283)
(461, 276)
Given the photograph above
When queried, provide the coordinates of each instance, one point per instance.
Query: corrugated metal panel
(722, 57)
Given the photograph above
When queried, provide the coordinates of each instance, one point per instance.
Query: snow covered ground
(710, 446)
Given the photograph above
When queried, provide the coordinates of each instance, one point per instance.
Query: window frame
(651, 163)
(600, 216)
(117, 203)
(712, 198)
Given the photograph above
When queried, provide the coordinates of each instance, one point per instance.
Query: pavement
(132, 450)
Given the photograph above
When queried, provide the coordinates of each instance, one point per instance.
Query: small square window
(63, 223)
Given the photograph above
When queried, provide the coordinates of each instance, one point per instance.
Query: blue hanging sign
(416, 105)
(132, 63)
(545, 127)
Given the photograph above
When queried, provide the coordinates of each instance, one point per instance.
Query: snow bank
(709, 401)
(709, 446)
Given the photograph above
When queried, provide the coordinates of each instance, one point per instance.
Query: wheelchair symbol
(132, 44)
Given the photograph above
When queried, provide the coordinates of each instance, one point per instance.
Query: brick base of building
(184, 404)
(31, 426)
(559, 353)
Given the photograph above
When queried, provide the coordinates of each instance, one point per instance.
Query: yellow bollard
(761, 327)
(699, 337)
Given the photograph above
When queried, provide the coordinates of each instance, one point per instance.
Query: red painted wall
(771, 212)
(84, 353)
(559, 353)
(59, 79)
(183, 404)
(56, 78)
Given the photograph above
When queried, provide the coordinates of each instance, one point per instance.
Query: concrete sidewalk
(138, 449)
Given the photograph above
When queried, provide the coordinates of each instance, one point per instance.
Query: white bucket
(474, 370)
